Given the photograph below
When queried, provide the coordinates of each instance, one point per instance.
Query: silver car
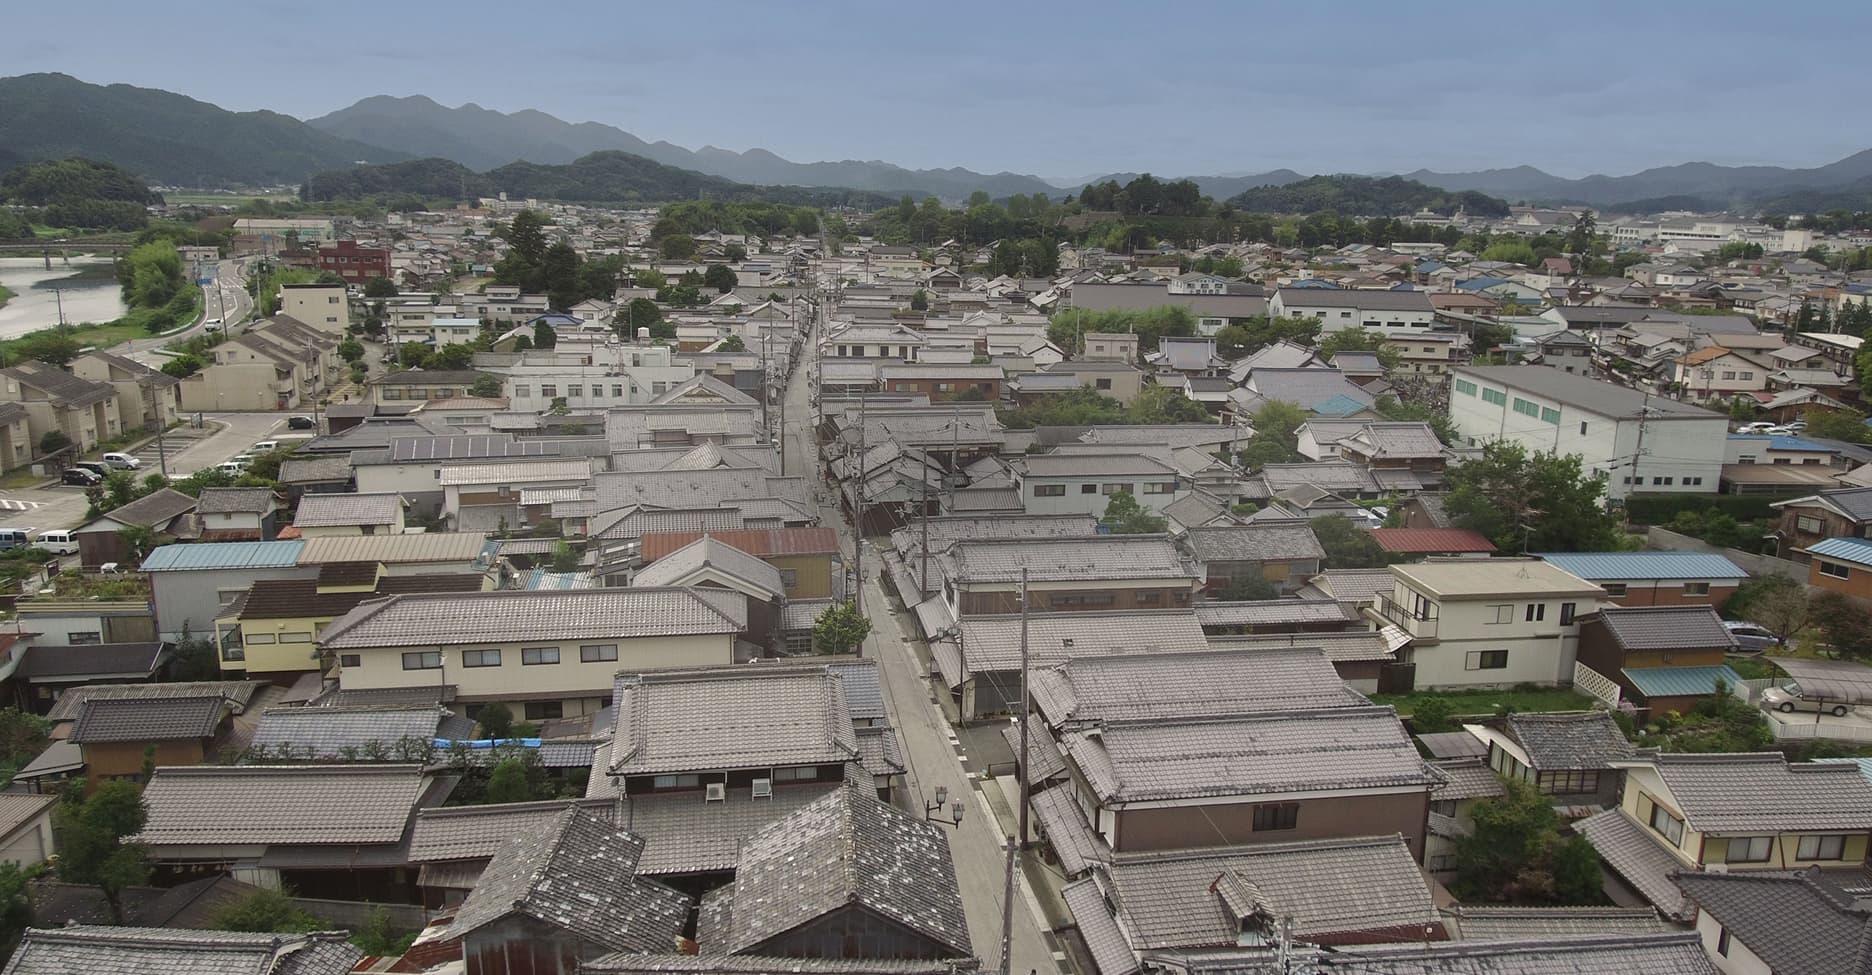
(1788, 698)
(1750, 637)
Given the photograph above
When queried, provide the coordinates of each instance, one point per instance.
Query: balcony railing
(1421, 625)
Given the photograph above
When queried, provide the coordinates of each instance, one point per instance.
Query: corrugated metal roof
(1680, 681)
(1857, 550)
(1645, 565)
(422, 547)
(1431, 540)
(224, 555)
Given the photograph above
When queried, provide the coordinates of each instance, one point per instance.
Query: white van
(58, 543)
(264, 447)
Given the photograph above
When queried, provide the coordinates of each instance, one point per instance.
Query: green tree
(677, 247)
(52, 346)
(496, 720)
(733, 343)
(564, 557)
(263, 911)
(841, 628)
(350, 350)
(1164, 404)
(919, 300)
(1248, 588)
(92, 849)
(183, 366)
(195, 660)
(380, 288)
(412, 355)
(640, 313)
(1360, 340)
(1845, 624)
(380, 936)
(454, 356)
(1540, 502)
(485, 385)
(543, 336)
(1347, 545)
(526, 236)
(16, 910)
(735, 253)
(23, 735)
(53, 442)
(1432, 714)
(1280, 422)
(721, 277)
(1847, 425)
(1124, 516)
(1515, 854)
(508, 782)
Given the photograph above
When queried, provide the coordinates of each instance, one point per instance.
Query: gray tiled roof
(879, 751)
(1254, 543)
(159, 507)
(280, 804)
(511, 616)
(1652, 954)
(848, 848)
(864, 689)
(1793, 924)
(1100, 557)
(93, 660)
(332, 732)
(343, 510)
(1096, 689)
(1103, 938)
(235, 500)
(946, 530)
(308, 470)
(1485, 922)
(1467, 778)
(578, 875)
(236, 692)
(637, 522)
(686, 836)
(631, 963)
(1570, 739)
(59, 386)
(1629, 851)
(691, 489)
(992, 643)
(709, 553)
(1356, 585)
(102, 720)
(1395, 440)
(1763, 792)
(1642, 628)
(105, 950)
(1078, 464)
(1273, 612)
(700, 720)
(1328, 475)
(1169, 899)
(1063, 822)
(1360, 645)
(1292, 751)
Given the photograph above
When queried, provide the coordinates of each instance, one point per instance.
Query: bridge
(50, 249)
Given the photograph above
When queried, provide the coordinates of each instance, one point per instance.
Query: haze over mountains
(177, 140)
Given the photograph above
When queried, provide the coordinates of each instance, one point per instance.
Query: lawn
(6, 295)
(1488, 702)
(134, 325)
(185, 198)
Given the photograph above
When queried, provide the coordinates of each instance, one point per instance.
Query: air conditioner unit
(716, 792)
(763, 789)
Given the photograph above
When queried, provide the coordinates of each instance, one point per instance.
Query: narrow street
(931, 753)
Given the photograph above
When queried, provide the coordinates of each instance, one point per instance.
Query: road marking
(10, 504)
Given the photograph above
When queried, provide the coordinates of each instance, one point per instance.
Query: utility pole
(923, 578)
(1020, 766)
(858, 514)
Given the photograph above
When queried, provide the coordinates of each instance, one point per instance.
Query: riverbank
(6, 295)
(101, 335)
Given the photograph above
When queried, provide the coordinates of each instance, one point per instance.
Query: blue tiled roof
(223, 555)
(1340, 405)
(1856, 550)
(1645, 565)
(1865, 765)
(1680, 681)
(1795, 443)
(1314, 283)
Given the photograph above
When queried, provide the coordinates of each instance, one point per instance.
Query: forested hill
(601, 177)
(79, 193)
(1365, 196)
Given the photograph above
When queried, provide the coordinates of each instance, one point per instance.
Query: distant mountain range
(175, 140)
(164, 137)
(483, 139)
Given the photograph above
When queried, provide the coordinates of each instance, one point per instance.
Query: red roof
(1426, 541)
(758, 542)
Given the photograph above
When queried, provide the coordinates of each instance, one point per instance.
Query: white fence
(1600, 687)
(1797, 728)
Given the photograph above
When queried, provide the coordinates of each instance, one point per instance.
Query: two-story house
(553, 652)
(1567, 755)
(1840, 513)
(984, 576)
(1488, 622)
(55, 401)
(1729, 813)
(1410, 447)
(1841, 565)
(1082, 483)
(1282, 554)
(146, 398)
(978, 659)
(1663, 658)
(271, 630)
(1714, 372)
(1389, 312)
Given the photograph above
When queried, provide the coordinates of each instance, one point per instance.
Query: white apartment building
(1488, 623)
(1341, 308)
(1084, 484)
(590, 377)
(326, 307)
(1643, 443)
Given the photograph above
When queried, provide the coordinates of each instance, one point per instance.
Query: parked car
(97, 467)
(264, 447)
(212, 325)
(1759, 426)
(15, 537)
(301, 423)
(1789, 698)
(1749, 637)
(58, 543)
(1797, 426)
(80, 476)
(1778, 432)
(231, 467)
(122, 462)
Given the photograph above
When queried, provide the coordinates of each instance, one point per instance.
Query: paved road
(929, 746)
(226, 299)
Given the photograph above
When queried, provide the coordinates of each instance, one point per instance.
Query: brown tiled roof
(296, 598)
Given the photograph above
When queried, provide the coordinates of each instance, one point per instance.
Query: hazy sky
(1045, 88)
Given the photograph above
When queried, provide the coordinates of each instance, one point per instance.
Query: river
(85, 285)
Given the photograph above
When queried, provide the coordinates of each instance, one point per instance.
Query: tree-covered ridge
(76, 192)
(1390, 196)
(602, 177)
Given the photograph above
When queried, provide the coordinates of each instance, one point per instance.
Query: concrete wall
(31, 843)
(1192, 825)
(189, 599)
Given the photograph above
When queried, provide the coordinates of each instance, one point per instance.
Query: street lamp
(930, 809)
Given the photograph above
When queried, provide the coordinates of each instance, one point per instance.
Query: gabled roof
(1794, 923)
(1431, 540)
(1652, 954)
(60, 387)
(153, 510)
(48, 663)
(760, 542)
(1099, 557)
(236, 500)
(1093, 689)
(1623, 566)
(1569, 739)
(443, 833)
(109, 950)
(1642, 628)
(1855, 550)
(1328, 887)
(71, 703)
(338, 732)
(578, 875)
(1763, 792)
(1583, 393)
(1487, 922)
(846, 849)
(345, 510)
(704, 720)
(1853, 503)
(707, 554)
(151, 719)
(300, 805)
(992, 643)
(223, 555)
(1261, 542)
(417, 619)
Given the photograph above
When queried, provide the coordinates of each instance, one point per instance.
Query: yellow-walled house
(271, 630)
